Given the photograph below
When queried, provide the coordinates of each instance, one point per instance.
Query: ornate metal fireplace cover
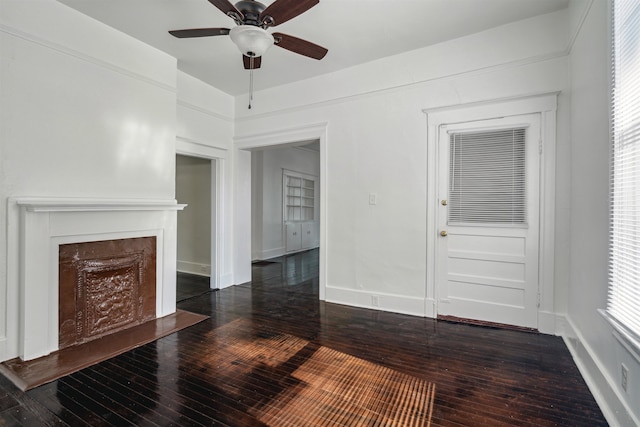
(104, 287)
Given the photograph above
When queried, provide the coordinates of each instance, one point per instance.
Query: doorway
(195, 252)
(299, 135)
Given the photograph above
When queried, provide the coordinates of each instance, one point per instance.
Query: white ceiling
(354, 31)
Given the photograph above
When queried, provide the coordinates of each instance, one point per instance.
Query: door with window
(488, 220)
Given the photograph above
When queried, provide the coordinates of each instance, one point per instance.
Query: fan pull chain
(250, 81)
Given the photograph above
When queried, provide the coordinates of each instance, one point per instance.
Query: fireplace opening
(105, 287)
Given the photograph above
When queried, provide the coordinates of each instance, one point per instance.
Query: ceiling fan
(251, 36)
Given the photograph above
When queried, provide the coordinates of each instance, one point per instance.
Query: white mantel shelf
(34, 204)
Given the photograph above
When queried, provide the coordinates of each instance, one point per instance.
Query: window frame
(623, 314)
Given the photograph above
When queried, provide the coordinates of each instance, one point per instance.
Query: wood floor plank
(139, 380)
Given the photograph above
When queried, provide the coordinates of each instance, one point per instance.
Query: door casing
(546, 106)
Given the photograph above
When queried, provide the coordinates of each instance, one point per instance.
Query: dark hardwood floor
(484, 376)
(191, 285)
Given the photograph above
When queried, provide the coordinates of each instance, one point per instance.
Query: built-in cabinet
(300, 235)
(299, 210)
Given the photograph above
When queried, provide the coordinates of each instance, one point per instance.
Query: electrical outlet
(624, 378)
(374, 300)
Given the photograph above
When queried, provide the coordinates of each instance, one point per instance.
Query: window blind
(624, 253)
(487, 177)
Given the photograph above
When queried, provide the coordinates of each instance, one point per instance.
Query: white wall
(267, 218)
(85, 112)
(257, 194)
(204, 116)
(588, 334)
(193, 187)
(242, 216)
(376, 143)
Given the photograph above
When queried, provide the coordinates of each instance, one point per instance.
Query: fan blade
(257, 60)
(227, 8)
(199, 32)
(299, 46)
(282, 10)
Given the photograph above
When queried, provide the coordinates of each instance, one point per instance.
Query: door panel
(487, 257)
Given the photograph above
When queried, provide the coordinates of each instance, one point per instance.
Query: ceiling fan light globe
(251, 40)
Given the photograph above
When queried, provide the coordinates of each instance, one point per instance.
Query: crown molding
(31, 38)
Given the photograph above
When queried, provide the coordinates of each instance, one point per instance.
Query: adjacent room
(333, 212)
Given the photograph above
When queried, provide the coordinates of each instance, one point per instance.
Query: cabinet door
(308, 235)
(294, 237)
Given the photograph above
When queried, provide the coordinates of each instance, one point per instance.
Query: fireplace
(109, 287)
(104, 287)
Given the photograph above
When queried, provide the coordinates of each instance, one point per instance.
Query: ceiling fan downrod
(250, 81)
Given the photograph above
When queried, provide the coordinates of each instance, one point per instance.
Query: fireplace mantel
(32, 204)
(36, 228)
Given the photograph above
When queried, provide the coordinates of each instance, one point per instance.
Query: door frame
(297, 135)
(217, 239)
(546, 106)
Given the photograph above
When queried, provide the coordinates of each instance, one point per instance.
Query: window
(487, 177)
(624, 258)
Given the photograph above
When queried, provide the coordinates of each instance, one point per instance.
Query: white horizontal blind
(487, 177)
(624, 260)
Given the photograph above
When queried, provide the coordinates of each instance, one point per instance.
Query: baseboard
(430, 308)
(194, 268)
(5, 354)
(226, 280)
(547, 322)
(276, 252)
(594, 374)
(376, 300)
(271, 253)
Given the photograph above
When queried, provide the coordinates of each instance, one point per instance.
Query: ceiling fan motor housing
(251, 10)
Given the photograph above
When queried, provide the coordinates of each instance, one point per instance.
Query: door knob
(443, 202)
(443, 233)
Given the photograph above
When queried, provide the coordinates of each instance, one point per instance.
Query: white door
(488, 220)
